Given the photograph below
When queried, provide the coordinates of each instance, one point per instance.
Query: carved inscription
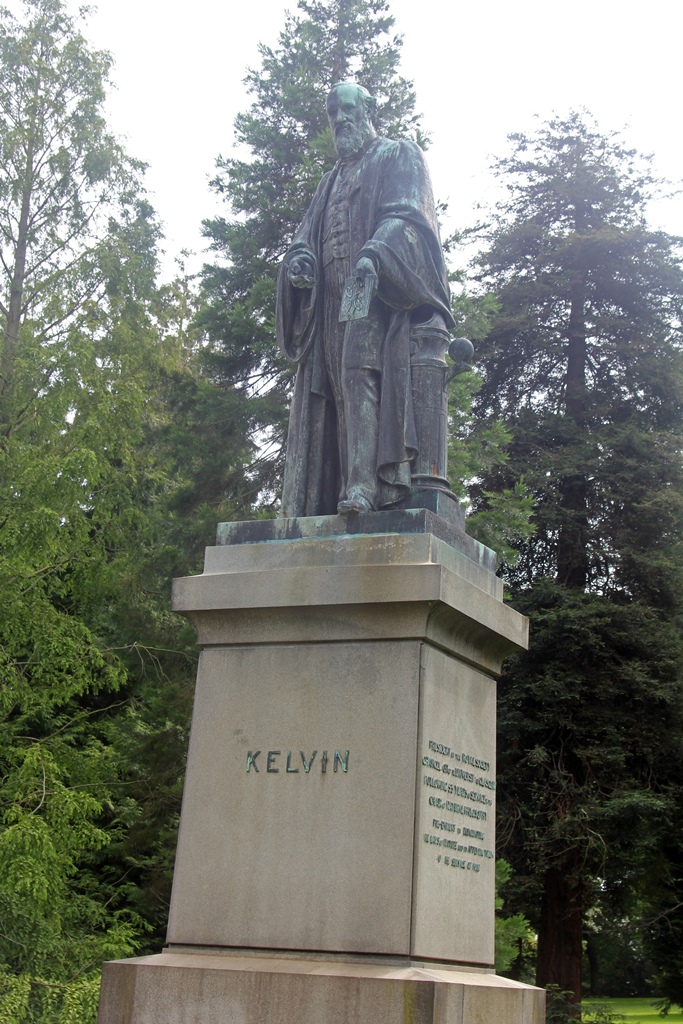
(461, 807)
(292, 762)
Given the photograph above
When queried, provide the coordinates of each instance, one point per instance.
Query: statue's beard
(350, 139)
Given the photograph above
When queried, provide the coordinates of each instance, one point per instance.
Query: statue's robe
(392, 219)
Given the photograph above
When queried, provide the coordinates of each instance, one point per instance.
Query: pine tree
(290, 146)
(583, 364)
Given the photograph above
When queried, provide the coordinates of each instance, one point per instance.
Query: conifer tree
(79, 355)
(583, 363)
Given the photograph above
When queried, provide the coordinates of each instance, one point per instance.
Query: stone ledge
(367, 549)
(394, 521)
(467, 608)
(175, 988)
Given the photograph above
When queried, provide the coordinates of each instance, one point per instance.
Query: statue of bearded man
(370, 232)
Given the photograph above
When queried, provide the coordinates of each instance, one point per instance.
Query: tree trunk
(593, 964)
(340, 69)
(572, 560)
(14, 308)
(517, 965)
(559, 935)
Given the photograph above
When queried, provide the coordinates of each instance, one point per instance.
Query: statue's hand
(365, 269)
(301, 272)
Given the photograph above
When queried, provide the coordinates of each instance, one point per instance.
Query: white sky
(481, 68)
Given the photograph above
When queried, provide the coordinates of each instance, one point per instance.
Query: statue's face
(349, 121)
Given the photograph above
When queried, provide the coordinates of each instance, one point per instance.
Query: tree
(61, 175)
(512, 933)
(290, 147)
(583, 364)
(79, 355)
(662, 920)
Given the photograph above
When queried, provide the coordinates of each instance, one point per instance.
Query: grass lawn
(638, 1010)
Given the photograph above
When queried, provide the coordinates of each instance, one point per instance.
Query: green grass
(637, 1011)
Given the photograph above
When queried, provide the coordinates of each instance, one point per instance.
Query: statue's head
(350, 109)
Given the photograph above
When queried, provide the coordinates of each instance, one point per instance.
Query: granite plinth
(390, 521)
(283, 581)
(317, 813)
(336, 851)
(352, 549)
(178, 988)
(340, 791)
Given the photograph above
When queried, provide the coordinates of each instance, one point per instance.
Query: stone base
(336, 851)
(340, 788)
(436, 514)
(441, 502)
(179, 988)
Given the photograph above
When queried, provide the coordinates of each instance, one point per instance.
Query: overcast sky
(481, 68)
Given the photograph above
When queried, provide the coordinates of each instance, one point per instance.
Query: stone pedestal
(336, 848)
(191, 989)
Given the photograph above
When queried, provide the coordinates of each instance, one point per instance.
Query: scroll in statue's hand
(359, 290)
(301, 272)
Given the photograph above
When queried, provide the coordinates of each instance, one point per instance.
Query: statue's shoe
(351, 506)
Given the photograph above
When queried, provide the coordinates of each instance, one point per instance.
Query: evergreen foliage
(81, 509)
(582, 361)
(662, 920)
(511, 932)
(477, 449)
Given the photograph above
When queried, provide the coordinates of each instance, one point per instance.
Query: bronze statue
(364, 273)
